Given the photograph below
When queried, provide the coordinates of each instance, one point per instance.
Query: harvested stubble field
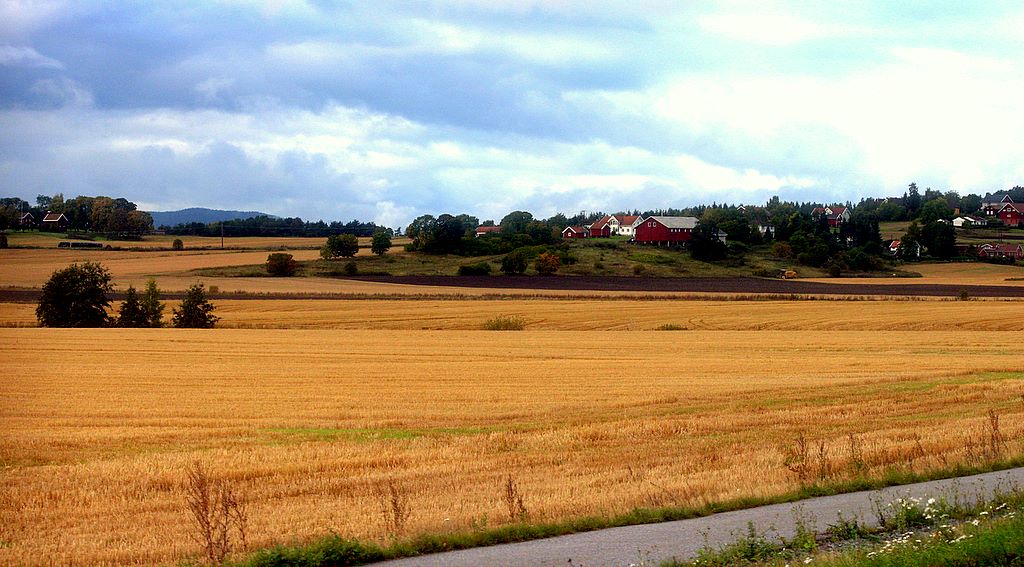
(581, 314)
(308, 424)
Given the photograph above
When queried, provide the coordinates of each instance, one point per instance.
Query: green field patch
(651, 258)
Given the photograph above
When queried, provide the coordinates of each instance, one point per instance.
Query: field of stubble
(100, 426)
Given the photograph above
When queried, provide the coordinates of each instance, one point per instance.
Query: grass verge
(335, 550)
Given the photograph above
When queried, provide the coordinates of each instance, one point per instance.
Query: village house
(1001, 250)
(913, 252)
(836, 215)
(968, 221)
(1012, 214)
(575, 232)
(27, 221)
(485, 230)
(665, 231)
(990, 208)
(54, 222)
(610, 225)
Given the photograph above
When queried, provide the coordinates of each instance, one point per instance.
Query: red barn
(1012, 214)
(54, 222)
(665, 231)
(602, 227)
(575, 232)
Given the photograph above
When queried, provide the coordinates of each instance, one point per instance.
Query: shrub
(76, 297)
(177, 244)
(3, 241)
(344, 245)
(514, 262)
(547, 264)
(280, 264)
(479, 269)
(782, 250)
(638, 269)
(195, 311)
(351, 269)
(505, 323)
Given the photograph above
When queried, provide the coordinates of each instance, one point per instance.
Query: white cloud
(12, 56)
(772, 29)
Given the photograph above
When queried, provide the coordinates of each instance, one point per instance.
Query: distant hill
(198, 214)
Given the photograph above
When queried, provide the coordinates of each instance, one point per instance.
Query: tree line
(93, 214)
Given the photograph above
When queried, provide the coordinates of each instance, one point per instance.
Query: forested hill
(198, 214)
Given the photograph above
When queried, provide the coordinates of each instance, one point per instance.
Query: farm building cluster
(654, 229)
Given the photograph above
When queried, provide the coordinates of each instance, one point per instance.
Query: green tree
(381, 243)
(177, 244)
(76, 296)
(280, 264)
(547, 263)
(514, 262)
(515, 222)
(934, 210)
(152, 306)
(343, 245)
(132, 313)
(195, 311)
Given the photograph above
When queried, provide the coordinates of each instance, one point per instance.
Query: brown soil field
(969, 273)
(593, 314)
(307, 425)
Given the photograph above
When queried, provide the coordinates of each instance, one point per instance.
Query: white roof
(677, 222)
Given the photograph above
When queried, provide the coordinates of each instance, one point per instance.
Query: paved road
(653, 543)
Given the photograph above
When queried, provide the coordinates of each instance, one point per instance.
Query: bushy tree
(343, 245)
(76, 296)
(177, 244)
(547, 263)
(152, 306)
(195, 311)
(381, 243)
(705, 245)
(132, 313)
(514, 262)
(280, 264)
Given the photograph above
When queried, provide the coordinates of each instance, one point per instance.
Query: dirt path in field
(652, 544)
(701, 285)
(434, 286)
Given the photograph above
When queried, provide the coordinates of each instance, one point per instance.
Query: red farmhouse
(1015, 251)
(1012, 214)
(602, 227)
(665, 231)
(575, 232)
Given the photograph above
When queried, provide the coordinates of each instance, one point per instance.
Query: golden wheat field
(308, 424)
(596, 314)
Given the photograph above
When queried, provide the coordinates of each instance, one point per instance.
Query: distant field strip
(307, 423)
(601, 314)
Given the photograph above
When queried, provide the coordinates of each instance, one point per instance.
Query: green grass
(335, 550)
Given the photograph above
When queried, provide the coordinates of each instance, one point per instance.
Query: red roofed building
(575, 232)
(485, 230)
(1000, 250)
(601, 228)
(27, 220)
(54, 222)
(1012, 214)
(665, 231)
(836, 215)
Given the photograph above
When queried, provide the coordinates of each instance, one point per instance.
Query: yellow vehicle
(787, 274)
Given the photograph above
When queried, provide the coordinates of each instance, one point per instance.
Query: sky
(383, 111)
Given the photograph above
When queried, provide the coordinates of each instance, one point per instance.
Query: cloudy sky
(383, 110)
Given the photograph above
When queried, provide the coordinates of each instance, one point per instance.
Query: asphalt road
(651, 544)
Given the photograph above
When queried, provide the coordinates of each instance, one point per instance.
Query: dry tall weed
(513, 500)
(217, 514)
(394, 506)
